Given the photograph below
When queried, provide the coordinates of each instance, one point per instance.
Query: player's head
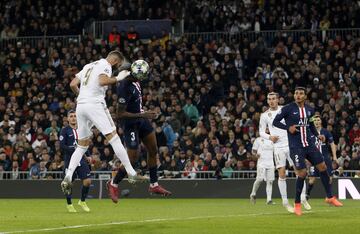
(317, 121)
(71, 116)
(300, 94)
(273, 99)
(115, 58)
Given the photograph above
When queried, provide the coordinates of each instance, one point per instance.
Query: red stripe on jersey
(303, 128)
(75, 134)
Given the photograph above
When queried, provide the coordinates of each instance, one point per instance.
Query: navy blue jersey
(129, 94)
(300, 117)
(68, 140)
(324, 146)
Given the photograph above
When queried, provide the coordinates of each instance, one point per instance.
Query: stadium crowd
(209, 96)
(35, 18)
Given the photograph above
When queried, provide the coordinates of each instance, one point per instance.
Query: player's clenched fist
(322, 138)
(122, 75)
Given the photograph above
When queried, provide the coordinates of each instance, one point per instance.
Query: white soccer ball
(140, 69)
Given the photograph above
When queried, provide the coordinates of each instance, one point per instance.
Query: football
(140, 69)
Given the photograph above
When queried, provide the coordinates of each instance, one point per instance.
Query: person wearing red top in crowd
(354, 134)
(114, 37)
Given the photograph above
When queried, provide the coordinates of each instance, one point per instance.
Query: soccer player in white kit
(264, 149)
(91, 110)
(281, 148)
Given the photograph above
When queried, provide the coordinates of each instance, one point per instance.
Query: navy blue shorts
(314, 172)
(135, 130)
(82, 172)
(311, 153)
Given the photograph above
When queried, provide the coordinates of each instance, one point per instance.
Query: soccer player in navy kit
(136, 126)
(324, 149)
(68, 140)
(298, 122)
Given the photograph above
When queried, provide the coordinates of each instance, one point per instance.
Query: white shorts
(281, 155)
(93, 114)
(266, 174)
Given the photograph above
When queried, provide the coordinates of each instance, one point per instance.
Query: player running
(298, 123)
(281, 148)
(264, 150)
(136, 126)
(68, 138)
(91, 110)
(324, 149)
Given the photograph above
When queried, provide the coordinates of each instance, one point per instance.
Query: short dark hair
(273, 93)
(71, 111)
(300, 88)
(117, 54)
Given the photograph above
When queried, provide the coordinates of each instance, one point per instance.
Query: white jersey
(264, 148)
(90, 89)
(266, 121)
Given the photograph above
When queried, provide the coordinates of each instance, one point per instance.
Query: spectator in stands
(227, 171)
(132, 36)
(191, 111)
(34, 169)
(114, 37)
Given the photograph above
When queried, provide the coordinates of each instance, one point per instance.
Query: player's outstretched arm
(123, 114)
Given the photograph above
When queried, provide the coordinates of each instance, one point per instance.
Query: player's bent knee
(111, 135)
(321, 167)
(312, 180)
(302, 174)
(84, 142)
(87, 182)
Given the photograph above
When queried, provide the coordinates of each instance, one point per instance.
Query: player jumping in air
(264, 149)
(68, 138)
(136, 126)
(281, 148)
(91, 110)
(300, 128)
(324, 149)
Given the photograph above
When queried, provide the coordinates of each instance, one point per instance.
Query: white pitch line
(148, 221)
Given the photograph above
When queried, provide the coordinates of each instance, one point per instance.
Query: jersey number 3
(87, 75)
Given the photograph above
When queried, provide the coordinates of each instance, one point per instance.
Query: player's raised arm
(115, 58)
(104, 79)
(280, 116)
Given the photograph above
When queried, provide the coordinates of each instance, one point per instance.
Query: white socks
(75, 161)
(256, 187)
(283, 190)
(121, 153)
(268, 190)
(152, 185)
(112, 183)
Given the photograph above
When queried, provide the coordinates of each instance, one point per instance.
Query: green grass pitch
(175, 216)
